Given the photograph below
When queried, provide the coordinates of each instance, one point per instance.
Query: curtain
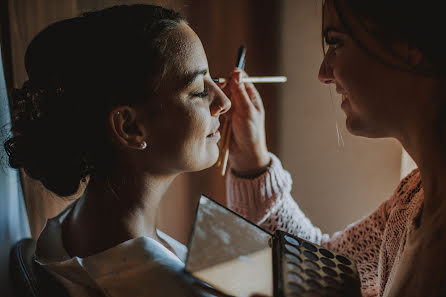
(13, 218)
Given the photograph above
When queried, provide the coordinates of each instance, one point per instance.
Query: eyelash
(333, 42)
(201, 94)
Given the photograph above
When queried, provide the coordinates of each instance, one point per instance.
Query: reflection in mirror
(229, 253)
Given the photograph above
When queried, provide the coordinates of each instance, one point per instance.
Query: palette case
(238, 258)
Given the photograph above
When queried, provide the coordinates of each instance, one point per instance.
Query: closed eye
(202, 94)
(333, 42)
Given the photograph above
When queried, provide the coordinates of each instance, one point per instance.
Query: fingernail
(239, 77)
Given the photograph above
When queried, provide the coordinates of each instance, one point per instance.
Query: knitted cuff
(253, 197)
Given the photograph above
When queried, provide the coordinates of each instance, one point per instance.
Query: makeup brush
(256, 79)
(226, 132)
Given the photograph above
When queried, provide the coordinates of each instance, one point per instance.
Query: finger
(239, 95)
(251, 90)
(226, 89)
(254, 96)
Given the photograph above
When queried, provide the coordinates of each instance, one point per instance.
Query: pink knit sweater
(376, 242)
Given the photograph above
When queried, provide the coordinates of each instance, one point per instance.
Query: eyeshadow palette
(240, 259)
(305, 269)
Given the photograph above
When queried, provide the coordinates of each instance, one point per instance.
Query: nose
(220, 102)
(326, 72)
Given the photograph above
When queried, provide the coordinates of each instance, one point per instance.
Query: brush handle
(257, 79)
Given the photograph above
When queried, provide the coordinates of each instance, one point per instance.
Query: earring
(143, 145)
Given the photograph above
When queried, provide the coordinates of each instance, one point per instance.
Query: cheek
(359, 75)
(187, 130)
(194, 124)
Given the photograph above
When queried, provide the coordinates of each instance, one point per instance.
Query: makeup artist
(385, 60)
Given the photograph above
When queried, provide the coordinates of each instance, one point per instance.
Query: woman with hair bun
(123, 98)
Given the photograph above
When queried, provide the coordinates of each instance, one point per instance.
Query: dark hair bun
(40, 144)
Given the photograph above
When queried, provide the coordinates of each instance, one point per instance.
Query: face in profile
(183, 121)
(372, 90)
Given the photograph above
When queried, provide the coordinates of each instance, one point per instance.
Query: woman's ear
(125, 130)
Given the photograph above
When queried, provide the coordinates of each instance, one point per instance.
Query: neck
(426, 145)
(113, 211)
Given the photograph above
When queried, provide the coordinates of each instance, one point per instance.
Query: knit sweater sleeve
(266, 201)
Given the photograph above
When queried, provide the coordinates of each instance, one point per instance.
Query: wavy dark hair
(78, 70)
(418, 23)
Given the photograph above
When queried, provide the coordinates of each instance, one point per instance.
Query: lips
(215, 133)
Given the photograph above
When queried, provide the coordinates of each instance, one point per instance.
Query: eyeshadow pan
(292, 258)
(291, 240)
(328, 262)
(311, 256)
(309, 246)
(312, 274)
(292, 249)
(314, 284)
(312, 264)
(296, 288)
(294, 267)
(329, 271)
(343, 260)
(295, 278)
(345, 269)
(326, 253)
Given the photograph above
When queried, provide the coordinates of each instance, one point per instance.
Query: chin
(204, 161)
(357, 127)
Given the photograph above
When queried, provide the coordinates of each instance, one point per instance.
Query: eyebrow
(330, 29)
(190, 77)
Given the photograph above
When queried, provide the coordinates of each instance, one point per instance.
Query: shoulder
(408, 191)
(411, 183)
(49, 247)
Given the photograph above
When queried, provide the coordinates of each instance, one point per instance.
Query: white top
(137, 267)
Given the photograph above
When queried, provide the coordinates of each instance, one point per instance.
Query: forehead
(185, 53)
(331, 20)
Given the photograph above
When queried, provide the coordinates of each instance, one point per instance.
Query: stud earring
(143, 145)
